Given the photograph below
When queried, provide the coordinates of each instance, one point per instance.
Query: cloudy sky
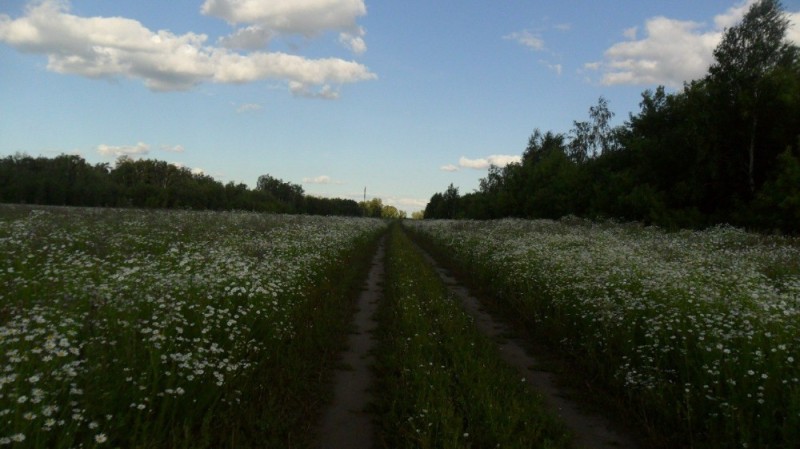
(402, 98)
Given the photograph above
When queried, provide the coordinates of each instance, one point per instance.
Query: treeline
(724, 149)
(69, 180)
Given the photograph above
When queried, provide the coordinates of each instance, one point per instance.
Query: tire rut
(591, 430)
(347, 423)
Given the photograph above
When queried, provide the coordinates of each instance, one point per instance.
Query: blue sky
(402, 98)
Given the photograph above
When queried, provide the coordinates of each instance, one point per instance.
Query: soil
(347, 422)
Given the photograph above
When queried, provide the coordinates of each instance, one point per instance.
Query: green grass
(696, 332)
(155, 329)
(442, 384)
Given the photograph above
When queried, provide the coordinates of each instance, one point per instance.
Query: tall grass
(170, 329)
(441, 383)
(698, 331)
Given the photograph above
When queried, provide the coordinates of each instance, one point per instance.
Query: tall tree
(593, 137)
(749, 52)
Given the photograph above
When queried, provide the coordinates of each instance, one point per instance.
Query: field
(699, 332)
(171, 329)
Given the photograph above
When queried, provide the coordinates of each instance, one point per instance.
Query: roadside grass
(172, 329)
(696, 332)
(440, 383)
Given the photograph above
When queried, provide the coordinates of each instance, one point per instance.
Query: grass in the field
(698, 331)
(442, 384)
(123, 328)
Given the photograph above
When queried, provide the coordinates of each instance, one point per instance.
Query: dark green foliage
(68, 180)
(713, 152)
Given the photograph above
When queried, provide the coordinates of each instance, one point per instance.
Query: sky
(400, 98)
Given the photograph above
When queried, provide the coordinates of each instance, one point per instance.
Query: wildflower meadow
(130, 328)
(698, 331)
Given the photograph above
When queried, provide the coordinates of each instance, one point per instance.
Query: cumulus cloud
(324, 92)
(354, 40)
(307, 17)
(112, 47)
(253, 37)
(139, 149)
(671, 51)
(173, 149)
(527, 39)
(500, 160)
(794, 28)
(323, 179)
(448, 167)
(630, 33)
(194, 171)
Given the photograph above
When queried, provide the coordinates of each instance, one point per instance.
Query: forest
(723, 149)
(68, 180)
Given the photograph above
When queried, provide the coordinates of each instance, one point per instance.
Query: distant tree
(289, 194)
(390, 212)
(372, 208)
(418, 215)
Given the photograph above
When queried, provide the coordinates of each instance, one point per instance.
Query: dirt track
(346, 423)
(591, 430)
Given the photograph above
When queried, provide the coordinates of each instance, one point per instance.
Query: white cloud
(173, 149)
(408, 202)
(325, 92)
(253, 37)
(306, 17)
(630, 33)
(324, 179)
(249, 107)
(354, 40)
(194, 171)
(733, 15)
(110, 47)
(527, 39)
(124, 150)
(793, 33)
(563, 26)
(671, 51)
(448, 167)
(500, 160)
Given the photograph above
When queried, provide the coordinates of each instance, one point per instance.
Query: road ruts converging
(591, 430)
(346, 423)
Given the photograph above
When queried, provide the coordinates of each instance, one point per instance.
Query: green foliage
(67, 180)
(778, 203)
(392, 212)
(708, 154)
(443, 205)
(372, 208)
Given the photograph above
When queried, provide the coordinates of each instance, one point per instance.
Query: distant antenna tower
(365, 194)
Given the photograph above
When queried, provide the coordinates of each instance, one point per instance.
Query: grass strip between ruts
(441, 383)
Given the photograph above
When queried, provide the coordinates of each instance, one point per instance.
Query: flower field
(169, 329)
(698, 332)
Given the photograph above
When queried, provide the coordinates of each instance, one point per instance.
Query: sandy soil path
(346, 423)
(591, 430)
